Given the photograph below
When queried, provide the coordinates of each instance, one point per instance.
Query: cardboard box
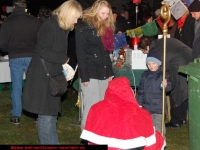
(136, 59)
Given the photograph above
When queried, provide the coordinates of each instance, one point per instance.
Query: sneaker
(36, 120)
(183, 123)
(15, 120)
(172, 125)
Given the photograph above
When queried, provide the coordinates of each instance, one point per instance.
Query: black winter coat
(150, 91)
(118, 27)
(19, 34)
(196, 45)
(52, 47)
(177, 54)
(186, 35)
(93, 61)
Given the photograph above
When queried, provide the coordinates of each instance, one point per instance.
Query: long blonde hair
(67, 13)
(91, 17)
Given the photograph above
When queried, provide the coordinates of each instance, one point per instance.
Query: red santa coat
(119, 122)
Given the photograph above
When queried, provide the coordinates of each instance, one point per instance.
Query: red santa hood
(119, 89)
(118, 121)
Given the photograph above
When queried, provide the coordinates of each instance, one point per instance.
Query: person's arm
(3, 38)
(196, 51)
(168, 82)
(140, 97)
(46, 38)
(81, 53)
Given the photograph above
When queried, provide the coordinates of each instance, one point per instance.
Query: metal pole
(166, 15)
(136, 10)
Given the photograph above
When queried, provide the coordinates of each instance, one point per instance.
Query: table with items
(133, 75)
(5, 73)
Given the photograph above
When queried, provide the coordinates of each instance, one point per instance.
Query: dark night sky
(55, 2)
(34, 5)
(35, 2)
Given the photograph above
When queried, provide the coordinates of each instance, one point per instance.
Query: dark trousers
(178, 113)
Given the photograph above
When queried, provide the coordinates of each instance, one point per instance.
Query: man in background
(125, 20)
(3, 15)
(18, 37)
(119, 25)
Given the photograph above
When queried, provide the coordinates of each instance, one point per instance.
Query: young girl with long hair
(94, 41)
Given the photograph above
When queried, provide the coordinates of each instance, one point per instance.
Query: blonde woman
(52, 47)
(94, 41)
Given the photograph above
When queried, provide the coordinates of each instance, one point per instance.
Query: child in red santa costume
(119, 122)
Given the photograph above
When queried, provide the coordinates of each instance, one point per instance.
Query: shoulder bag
(57, 84)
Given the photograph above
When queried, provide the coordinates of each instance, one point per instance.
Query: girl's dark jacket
(52, 47)
(150, 90)
(93, 61)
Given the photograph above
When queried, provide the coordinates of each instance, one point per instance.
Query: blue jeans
(17, 68)
(47, 129)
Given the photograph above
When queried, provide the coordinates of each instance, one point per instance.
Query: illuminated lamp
(137, 1)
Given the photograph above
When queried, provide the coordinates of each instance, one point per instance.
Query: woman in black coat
(177, 54)
(52, 47)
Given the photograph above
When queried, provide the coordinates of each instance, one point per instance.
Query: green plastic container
(193, 74)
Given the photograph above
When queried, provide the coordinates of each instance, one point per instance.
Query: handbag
(57, 84)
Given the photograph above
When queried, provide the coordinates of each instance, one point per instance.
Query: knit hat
(154, 56)
(195, 6)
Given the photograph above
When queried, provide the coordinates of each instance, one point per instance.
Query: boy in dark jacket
(150, 88)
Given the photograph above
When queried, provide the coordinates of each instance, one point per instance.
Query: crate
(136, 59)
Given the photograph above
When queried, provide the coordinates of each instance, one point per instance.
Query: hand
(110, 78)
(67, 60)
(164, 83)
(85, 84)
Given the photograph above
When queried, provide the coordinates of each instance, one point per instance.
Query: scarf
(108, 40)
(181, 21)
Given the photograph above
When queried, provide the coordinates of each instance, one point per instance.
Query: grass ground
(26, 133)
